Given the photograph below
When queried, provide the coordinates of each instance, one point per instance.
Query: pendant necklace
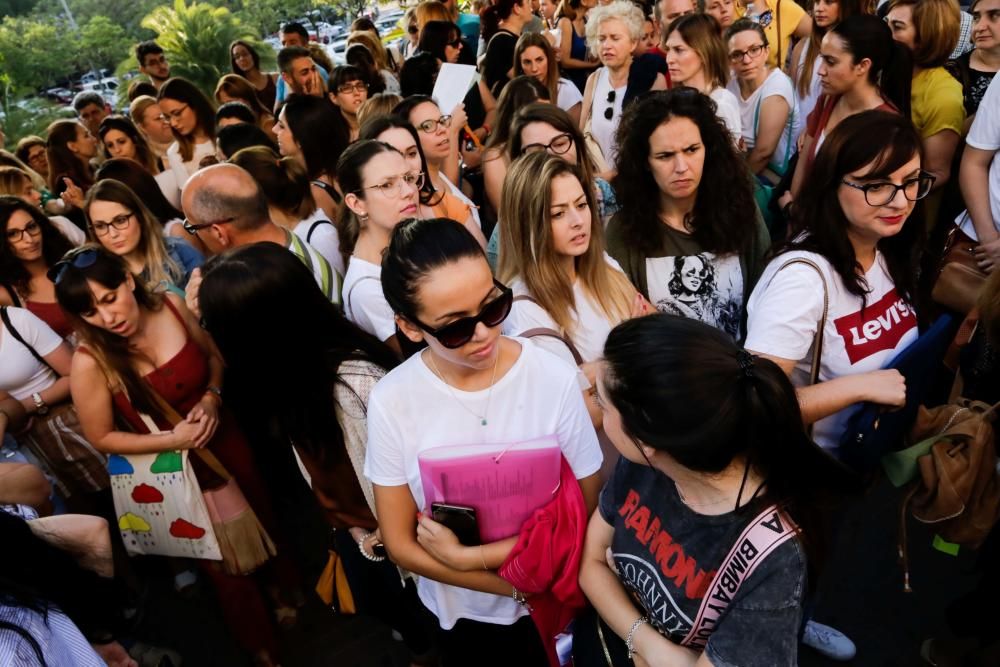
(489, 395)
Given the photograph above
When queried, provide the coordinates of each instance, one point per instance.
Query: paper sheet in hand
(505, 483)
(453, 84)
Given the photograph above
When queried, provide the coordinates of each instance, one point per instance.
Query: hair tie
(745, 360)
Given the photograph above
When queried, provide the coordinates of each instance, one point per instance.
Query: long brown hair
(529, 39)
(845, 9)
(701, 33)
(284, 181)
(527, 251)
(63, 163)
(185, 92)
(112, 352)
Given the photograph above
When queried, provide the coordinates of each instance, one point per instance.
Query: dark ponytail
(867, 36)
(418, 247)
(349, 167)
(686, 389)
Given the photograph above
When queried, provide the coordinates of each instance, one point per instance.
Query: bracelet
(482, 557)
(361, 547)
(630, 637)
(519, 598)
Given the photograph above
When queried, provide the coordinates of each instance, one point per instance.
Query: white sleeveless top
(808, 102)
(603, 129)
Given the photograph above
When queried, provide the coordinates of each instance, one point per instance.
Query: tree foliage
(196, 38)
(103, 43)
(35, 54)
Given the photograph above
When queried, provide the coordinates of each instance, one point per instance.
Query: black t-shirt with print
(667, 556)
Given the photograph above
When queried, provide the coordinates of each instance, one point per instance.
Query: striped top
(326, 277)
(28, 638)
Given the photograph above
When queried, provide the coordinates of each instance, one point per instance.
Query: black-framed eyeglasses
(431, 125)
(78, 258)
(458, 333)
(559, 145)
(352, 87)
(32, 229)
(456, 43)
(192, 229)
(119, 222)
(883, 192)
(609, 113)
(753, 52)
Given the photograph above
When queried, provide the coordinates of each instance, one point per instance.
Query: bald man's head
(225, 193)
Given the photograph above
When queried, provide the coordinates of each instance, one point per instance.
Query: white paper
(453, 84)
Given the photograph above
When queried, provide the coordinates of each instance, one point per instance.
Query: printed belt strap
(768, 531)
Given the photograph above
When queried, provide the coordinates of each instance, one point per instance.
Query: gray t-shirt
(667, 556)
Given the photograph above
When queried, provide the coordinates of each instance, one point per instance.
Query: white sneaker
(831, 642)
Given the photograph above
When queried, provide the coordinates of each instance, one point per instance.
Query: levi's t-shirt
(667, 555)
(859, 335)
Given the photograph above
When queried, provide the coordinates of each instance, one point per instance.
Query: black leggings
(491, 644)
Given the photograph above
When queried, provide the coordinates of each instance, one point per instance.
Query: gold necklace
(489, 395)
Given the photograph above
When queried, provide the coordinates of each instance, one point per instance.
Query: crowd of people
(629, 292)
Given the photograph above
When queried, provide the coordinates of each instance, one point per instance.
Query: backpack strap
(762, 536)
(550, 333)
(20, 339)
(13, 293)
(313, 226)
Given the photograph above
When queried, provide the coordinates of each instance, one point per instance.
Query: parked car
(61, 95)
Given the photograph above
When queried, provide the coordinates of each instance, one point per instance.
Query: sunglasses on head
(458, 333)
(80, 258)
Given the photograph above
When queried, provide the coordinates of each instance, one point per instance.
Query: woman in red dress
(135, 345)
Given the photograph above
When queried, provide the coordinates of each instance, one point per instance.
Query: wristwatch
(40, 407)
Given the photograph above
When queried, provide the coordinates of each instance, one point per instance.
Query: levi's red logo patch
(884, 324)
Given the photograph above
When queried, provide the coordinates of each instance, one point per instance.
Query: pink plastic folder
(505, 483)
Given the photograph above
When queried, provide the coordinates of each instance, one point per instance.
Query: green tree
(103, 43)
(266, 15)
(35, 54)
(196, 39)
(127, 14)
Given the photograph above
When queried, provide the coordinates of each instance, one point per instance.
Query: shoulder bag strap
(818, 341)
(762, 536)
(17, 336)
(545, 331)
(313, 226)
(13, 293)
(347, 295)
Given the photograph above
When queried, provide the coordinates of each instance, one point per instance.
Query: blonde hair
(377, 105)
(8, 159)
(158, 266)
(937, 25)
(12, 181)
(374, 46)
(527, 251)
(626, 12)
(430, 10)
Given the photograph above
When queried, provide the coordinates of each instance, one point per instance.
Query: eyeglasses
(609, 113)
(458, 333)
(559, 145)
(78, 258)
(118, 222)
(176, 113)
(880, 194)
(192, 229)
(154, 61)
(353, 87)
(392, 188)
(413, 30)
(456, 43)
(429, 125)
(15, 235)
(753, 52)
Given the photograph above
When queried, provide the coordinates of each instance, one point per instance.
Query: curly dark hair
(54, 244)
(883, 142)
(723, 219)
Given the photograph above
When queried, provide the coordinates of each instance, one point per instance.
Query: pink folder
(505, 483)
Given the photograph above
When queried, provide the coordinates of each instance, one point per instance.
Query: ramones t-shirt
(667, 555)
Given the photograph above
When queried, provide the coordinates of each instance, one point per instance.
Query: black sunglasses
(79, 258)
(609, 113)
(458, 333)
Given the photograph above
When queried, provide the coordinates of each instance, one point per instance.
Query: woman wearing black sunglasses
(471, 386)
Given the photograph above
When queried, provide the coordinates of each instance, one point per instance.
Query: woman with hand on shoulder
(380, 190)
(706, 455)
(696, 57)
(806, 56)
(613, 30)
(246, 63)
(535, 57)
(482, 388)
(285, 184)
(192, 121)
(398, 133)
(769, 113)
(121, 223)
(30, 247)
(139, 353)
(313, 132)
(688, 233)
(853, 215)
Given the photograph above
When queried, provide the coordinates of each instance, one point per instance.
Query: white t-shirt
(183, 170)
(412, 410)
(167, 181)
(21, 374)
(568, 95)
(364, 302)
(784, 310)
(728, 110)
(777, 83)
(324, 240)
(75, 235)
(985, 135)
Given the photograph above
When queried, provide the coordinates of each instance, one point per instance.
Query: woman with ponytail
(712, 446)
(285, 184)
